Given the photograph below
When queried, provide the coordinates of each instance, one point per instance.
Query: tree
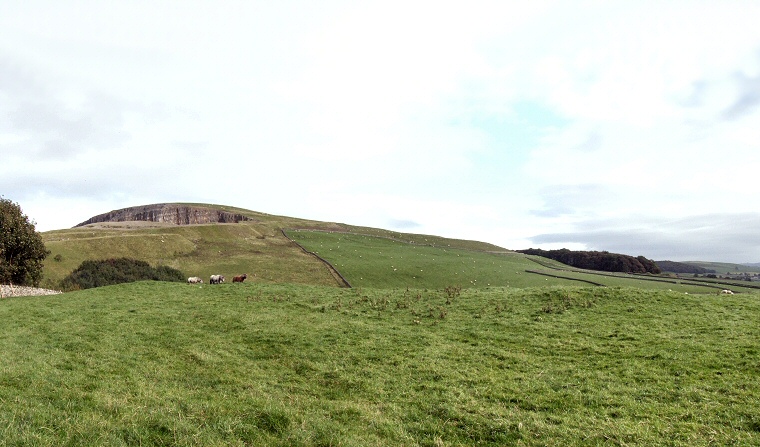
(21, 247)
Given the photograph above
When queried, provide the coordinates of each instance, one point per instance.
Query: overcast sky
(631, 127)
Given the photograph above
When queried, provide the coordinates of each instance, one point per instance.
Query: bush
(107, 272)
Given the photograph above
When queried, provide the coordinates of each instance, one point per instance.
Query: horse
(216, 279)
(194, 280)
(240, 278)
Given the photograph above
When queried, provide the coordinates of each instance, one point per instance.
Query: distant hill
(725, 267)
(204, 239)
(682, 267)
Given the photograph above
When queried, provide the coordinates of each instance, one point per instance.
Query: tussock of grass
(172, 364)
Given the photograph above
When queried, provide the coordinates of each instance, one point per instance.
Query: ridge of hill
(205, 239)
(278, 249)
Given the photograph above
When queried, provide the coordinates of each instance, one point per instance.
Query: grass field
(256, 247)
(370, 261)
(197, 250)
(722, 268)
(263, 364)
(366, 257)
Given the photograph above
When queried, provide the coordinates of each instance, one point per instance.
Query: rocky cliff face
(168, 213)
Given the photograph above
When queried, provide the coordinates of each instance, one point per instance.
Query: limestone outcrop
(177, 214)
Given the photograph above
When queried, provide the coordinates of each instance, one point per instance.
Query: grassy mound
(366, 257)
(153, 363)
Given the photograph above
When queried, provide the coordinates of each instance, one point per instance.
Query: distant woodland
(598, 260)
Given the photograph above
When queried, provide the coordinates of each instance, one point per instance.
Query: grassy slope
(722, 268)
(199, 250)
(368, 261)
(255, 364)
(366, 257)
(256, 247)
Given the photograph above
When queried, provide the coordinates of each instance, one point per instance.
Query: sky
(626, 126)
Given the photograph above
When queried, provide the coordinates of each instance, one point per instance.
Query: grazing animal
(726, 292)
(194, 280)
(216, 279)
(240, 278)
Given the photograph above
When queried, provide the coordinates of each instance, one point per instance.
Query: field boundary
(333, 271)
(537, 272)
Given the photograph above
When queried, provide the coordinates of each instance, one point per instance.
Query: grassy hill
(371, 261)
(440, 342)
(258, 249)
(274, 249)
(255, 364)
(723, 268)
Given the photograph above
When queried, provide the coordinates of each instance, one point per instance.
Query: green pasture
(722, 268)
(259, 250)
(256, 247)
(369, 261)
(258, 364)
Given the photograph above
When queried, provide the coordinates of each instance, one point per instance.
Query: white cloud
(496, 121)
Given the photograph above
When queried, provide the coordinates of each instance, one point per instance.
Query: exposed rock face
(168, 213)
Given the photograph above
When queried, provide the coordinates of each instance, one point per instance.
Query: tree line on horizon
(598, 260)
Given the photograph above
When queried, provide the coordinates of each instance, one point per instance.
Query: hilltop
(204, 239)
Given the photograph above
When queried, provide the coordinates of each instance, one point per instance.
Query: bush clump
(107, 272)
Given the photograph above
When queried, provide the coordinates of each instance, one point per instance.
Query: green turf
(722, 268)
(261, 364)
(366, 257)
(257, 249)
(370, 261)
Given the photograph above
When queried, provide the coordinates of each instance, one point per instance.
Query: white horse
(216, 279)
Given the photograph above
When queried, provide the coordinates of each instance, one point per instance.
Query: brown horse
(240, 278)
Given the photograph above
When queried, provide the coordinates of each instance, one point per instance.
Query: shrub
(107, 272)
